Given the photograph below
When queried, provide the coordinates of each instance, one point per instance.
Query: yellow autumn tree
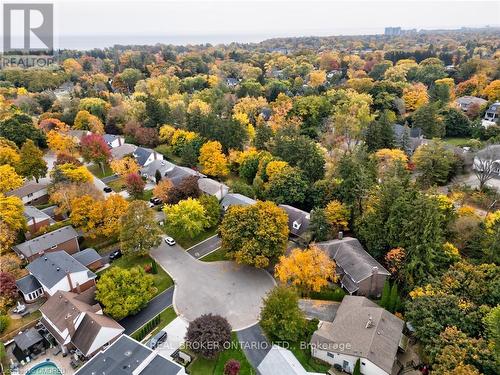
(13, 220)
(74, 173)
(492, 91)
(9, 153)
(281, 107)
(415, 96)
(198, 105)
(84, 120)
(275, 167)
(317, 78)
(9, 178)
(337, 215)
(162, 190)
(124, 166)
(61, 142)
(212, 159)
(166, 133)
(387, 158)
(308, 270)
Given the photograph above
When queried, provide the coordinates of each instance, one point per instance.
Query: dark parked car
(158, 339)
(107, 189)
(115, 254)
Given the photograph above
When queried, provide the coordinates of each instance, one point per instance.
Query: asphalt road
(203, 248)
(254, 344)
(155, 306)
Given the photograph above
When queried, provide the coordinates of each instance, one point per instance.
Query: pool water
(44, 368)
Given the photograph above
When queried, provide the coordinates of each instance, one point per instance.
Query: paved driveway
(203, 248)
(225, 288)
(254, 344)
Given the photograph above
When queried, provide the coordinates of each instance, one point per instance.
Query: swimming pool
(45, 368)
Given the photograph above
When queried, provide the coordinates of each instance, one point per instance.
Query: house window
(364, 364)
(296, 225)
(30, 195)
(330, 355)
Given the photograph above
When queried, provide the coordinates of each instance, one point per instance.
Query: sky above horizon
(224, 21)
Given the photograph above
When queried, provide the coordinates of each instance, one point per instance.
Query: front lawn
(117, 185)
(202, 366)
(187, 242)
(96, 170)
(161, 280)
(164, 318)
(215, 256)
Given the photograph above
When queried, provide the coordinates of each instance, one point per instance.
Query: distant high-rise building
(392, 31)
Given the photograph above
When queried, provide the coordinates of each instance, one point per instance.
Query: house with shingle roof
(467, 102)
(235, 199)
(113, 140)
(121, 151)
(358, 271)
(178, 173)
(162, 166)
(126, 356)
(76, 321)
(212, 187)
(89, 258)
(31, 192)
(143, 156)
(35, 219)
(298, 221)
(65, 238)
(60, 271)
(361, 330)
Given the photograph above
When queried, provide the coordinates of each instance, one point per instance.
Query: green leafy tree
(319, 226)
(19, 128)
(139, 230)
(428, 118)
(123, 292)
(31, 164)
(286, 187)
(212, 209)
(187, 218)
(254, 234)
(280, 317)
(434, 162)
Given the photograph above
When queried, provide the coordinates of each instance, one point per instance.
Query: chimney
(69, 281)
(369, 323)
(341, 235)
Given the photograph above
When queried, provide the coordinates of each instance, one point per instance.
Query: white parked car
(169, 241)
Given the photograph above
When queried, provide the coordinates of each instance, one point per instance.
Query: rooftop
(87, 256)
(46, 241)
(50, 268)
(29, 187)
(371, 331)
(31, 212)
(232, 199)
(28, 284)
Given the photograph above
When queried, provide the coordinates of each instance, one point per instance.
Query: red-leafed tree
(232, 367)
(135, 185)
(94, 149)
(8, 287)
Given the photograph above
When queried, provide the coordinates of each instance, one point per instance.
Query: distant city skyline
(89, 24)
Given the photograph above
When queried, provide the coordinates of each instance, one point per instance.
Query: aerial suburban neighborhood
(288, 206)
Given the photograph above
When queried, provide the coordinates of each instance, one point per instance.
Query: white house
(113, 141)
(144, 156)
(212, 187)
(59, 271)
(492, 115)
(76, 321)
(31, 192)
(360, 330)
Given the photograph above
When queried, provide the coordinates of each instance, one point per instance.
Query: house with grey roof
(468, 102)
(358, 271)
(361, 330)
(487, 160)
(492, 115)
(179, 173)
(60, 271)
(31, 192)
(298, 222)
(162, 166)
(143, 156)
(280, 361)
(121, 151)
(126, 356)
(65, 238)
(35, 219)
(76, 321)
(89, 258)
(211, 187)
(30, 288)
(408, 139)
(77, 134)
(113, 140)
(235, 199)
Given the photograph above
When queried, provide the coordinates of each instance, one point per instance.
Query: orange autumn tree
(308, 270)
(125, 166)
(162, 190)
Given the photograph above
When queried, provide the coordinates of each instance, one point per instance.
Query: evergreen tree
(157, 176)
(357, 368)
(385, 300)
(319, 225)
(393, 303)
(31, 164)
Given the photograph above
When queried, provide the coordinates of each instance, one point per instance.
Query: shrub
(208, 335)
(4, 322)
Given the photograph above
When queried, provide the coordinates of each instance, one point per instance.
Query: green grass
(161, 280)
(98, 243)
(304, 357)
(215, 256)
(202, 366)
(117, 184)
(147, 195)
(96, 170)
(457, 141)
(16, 324)
(187, 242)
(166, 316)
(333, 293)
